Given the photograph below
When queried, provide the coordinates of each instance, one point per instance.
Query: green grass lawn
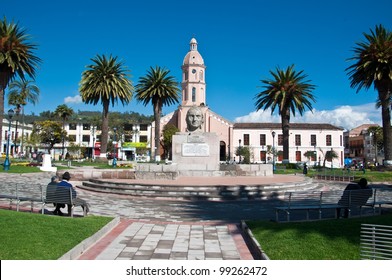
(315, 240)
(27, 236)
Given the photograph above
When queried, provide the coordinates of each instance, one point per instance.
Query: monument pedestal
(47, 164)
(196, 151)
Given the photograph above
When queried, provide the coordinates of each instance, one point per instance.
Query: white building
(18, 129)
(304, 137)
(88, 136)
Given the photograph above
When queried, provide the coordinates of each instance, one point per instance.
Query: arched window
(201, 75)
(193, 94)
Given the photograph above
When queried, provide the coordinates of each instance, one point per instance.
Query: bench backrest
(355, 197)
(59, 194)
(302, 197)
(383, 194)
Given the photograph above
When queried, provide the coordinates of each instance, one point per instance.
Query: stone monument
(47, 164)
(195, 150)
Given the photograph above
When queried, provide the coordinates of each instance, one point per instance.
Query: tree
(160, 89)
(244, 153)
(16, 58)
(49, 132)
(22, 92)
(107, 81)
(377, 139)
(289, 91)
(168, 131)
(373, 66)
(310, 154)
(64, 112)
(329, 155)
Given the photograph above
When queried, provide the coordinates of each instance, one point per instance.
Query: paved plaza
(164, 229)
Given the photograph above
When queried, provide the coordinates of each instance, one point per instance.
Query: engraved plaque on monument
(195, 150)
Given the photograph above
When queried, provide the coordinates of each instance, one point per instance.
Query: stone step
(209, 192)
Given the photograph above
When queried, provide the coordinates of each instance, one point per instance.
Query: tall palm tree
(373, 66)
(106, 81)
(160, 89)
(289, 91)
(64, 112)
(16, 58)
(20, 93)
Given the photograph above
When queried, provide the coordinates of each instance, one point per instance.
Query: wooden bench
(64, 195)
(322, 200)
(308, 201)
(356, 199)
(376, 242)
(18, 198)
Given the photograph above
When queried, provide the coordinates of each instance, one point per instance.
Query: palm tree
(373, 66)
(107, 80)
(64, 112)
(289, 92)
(16, 58)
(377, 139)
(160, 89)
(20, 92)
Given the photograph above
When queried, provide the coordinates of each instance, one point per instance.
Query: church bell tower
(193, 78)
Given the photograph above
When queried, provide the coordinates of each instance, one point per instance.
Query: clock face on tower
(193, 71)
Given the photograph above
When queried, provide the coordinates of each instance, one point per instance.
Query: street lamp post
(7, 162)
(239, 151)
(114, 148)
(273, 151)
(93, 148)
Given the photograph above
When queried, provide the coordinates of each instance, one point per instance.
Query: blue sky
(240, 41)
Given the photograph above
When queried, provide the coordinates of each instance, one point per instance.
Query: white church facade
(304, 137)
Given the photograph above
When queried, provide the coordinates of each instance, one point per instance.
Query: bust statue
(194, 119)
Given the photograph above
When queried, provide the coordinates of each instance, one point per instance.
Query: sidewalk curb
(252, 243)
(75, 252)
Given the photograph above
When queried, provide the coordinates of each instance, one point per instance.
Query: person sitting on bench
(345, 199)
(65, 184)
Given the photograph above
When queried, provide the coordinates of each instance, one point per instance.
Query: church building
(193, 88)
(259, 137)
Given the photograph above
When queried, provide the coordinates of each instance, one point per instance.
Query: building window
(246, 139)
(143, 139)
(297, 140)
(201, 75)
(280, 140)
(128, 127)
(143, 127)
(72, 138)
(313, 141)
(128, 138)
(193, 94)
(262, 140)
(86, 138)
(72, 126)
(86, 126)
(328, 139)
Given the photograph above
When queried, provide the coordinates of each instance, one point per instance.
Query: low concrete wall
(84, 174)
(173, 171)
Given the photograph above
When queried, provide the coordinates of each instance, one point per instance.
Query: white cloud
(77, 99)
(344, 116)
